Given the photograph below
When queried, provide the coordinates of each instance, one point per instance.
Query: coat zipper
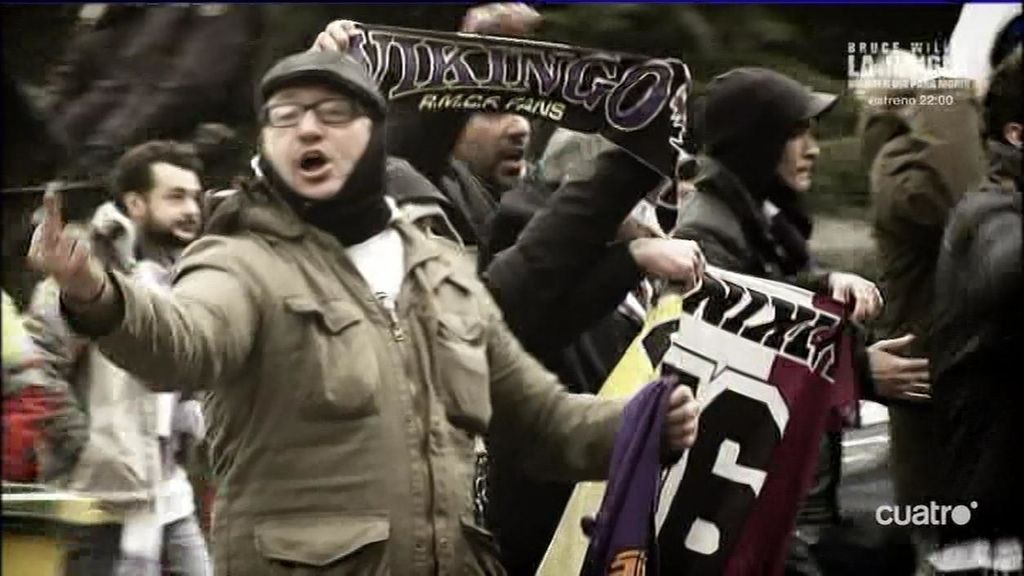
(390, 310)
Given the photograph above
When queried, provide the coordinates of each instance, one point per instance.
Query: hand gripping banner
(769, 363)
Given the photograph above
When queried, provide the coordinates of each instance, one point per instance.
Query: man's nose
(517, 129)
(192, 208)
(309, 125)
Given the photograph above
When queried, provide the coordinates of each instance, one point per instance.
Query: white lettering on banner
(703, 538)
(712, 382)
(727, 467)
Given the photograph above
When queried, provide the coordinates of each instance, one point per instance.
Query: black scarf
(358, 211)
(782, 238)
(790, 228)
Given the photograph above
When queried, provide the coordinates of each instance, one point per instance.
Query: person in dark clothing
(558, 287)
(748, 216)
(921, 160)
(974, 347)
(471, 158)
(133, 73)
(564, 264)
(469, 205)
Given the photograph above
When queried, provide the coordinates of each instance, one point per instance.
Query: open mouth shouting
(512, 162)
(313, 165)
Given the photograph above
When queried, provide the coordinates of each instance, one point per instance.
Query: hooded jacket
(745, 219)
(975, 344)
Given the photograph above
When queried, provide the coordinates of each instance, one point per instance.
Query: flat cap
(337, 70)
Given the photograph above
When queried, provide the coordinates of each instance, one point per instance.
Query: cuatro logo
(932, 514)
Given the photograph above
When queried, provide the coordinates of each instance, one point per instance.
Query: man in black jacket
(975, 344)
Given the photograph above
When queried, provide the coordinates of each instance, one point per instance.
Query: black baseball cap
(744, 100)
(337, 70)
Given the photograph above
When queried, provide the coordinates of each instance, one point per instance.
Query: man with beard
(137, 439)
(352, 363)
(473, 159)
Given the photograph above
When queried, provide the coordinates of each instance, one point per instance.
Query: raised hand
(502, 19)
(335, 37)
(866, 299)
(69, 261)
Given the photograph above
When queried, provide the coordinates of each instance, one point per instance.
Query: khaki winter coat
(343, 438)
(922, 160)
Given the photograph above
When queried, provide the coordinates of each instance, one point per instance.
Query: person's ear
(1013, 132)
(135, 205)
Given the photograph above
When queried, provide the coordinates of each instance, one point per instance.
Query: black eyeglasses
(332, 111)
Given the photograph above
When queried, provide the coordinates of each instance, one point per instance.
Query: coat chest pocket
(336, 355)
(461, 369)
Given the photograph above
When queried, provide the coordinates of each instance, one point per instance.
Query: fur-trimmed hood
(114, 237)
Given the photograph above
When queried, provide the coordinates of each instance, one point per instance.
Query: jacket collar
(258, 210)
(420, 251)
(1004, 165)
(720, 182)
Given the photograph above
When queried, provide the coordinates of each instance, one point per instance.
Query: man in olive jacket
(352, 364)
(922, 159)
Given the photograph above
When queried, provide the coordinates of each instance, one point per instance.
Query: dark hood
(749, 114)
(780, 238)
(1004, 165)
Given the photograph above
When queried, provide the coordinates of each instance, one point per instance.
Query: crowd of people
(381, 346)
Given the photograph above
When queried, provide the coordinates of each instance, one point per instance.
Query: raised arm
(555, 435)
(427, 140)
(193, 338)
(566, 241)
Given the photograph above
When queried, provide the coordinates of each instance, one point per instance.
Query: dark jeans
(93, 551)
